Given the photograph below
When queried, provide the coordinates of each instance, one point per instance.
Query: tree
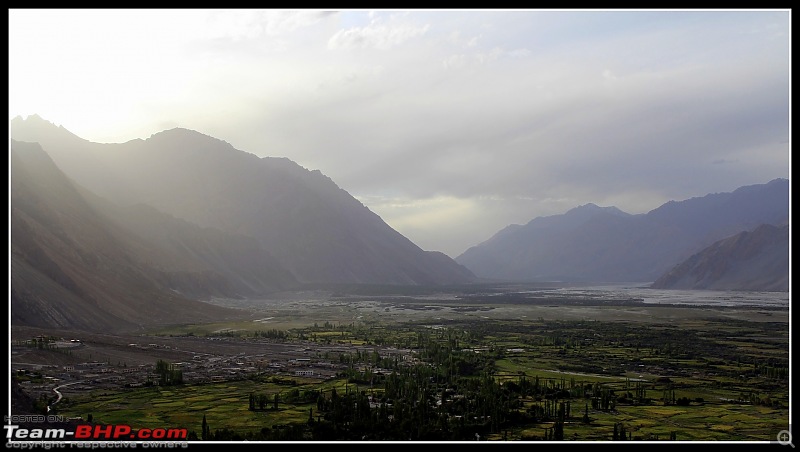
(206, 429)
(168, 375)
(619, 432)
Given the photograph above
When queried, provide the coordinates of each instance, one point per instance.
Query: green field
(708, 377)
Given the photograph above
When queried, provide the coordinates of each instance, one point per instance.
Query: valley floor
(661, 371)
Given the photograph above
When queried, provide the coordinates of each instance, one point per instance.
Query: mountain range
(121, 236)
(604, 244)
(314, 229)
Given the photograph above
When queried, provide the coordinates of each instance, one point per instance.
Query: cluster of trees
(271, 334)
(773, 372)
(261, 402)
(168, 374)
(453, 392)
(411, 405)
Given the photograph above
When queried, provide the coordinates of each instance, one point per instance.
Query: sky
(449, 124)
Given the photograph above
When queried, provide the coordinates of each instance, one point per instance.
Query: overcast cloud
(448, 124)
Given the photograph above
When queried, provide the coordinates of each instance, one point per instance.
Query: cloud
(608, 75)
(376, 35)
(462, 60)
(239, 24)
(492, 117)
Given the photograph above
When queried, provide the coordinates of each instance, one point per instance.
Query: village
(196, 359)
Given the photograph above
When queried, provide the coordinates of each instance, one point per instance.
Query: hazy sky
(448, 124)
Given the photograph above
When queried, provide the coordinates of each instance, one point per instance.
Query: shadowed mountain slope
(756, 260)
(72, 268)
(313, 228)
(195, 261)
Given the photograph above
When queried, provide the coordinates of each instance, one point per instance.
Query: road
(58, 393)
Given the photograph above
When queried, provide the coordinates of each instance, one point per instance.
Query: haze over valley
(186, 216)
(400, 225)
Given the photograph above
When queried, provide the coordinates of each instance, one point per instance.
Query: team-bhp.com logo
(95, 432)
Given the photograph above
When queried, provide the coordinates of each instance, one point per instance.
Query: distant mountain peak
(179, 131)
(592, 207)
(36, 120)
(593, 243)
(183, 133)
(36, 125)
(34, 117)
(777, 182)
